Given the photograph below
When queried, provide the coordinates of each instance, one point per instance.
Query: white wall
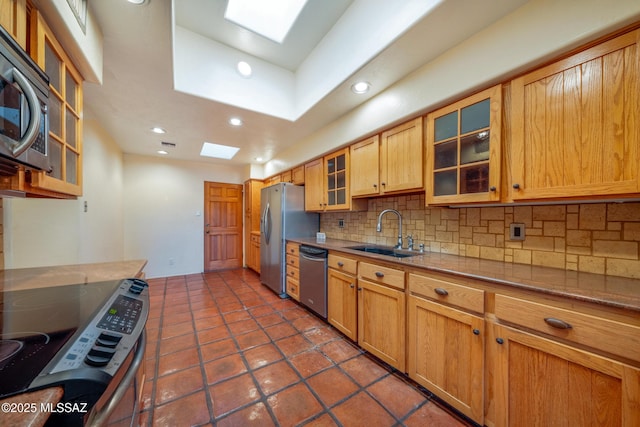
(41, 232)
(164, 211)
(533, 33)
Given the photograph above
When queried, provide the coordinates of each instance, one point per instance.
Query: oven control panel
(111, 335)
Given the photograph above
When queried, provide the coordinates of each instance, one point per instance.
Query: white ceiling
(333, 44)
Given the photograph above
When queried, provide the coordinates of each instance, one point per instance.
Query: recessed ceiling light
(218, 151)
(235, 121)
(136, 1)
(162, 152)
(244, 69)
(258, 159)
(158, 130)
(271, 19)
(361, 87)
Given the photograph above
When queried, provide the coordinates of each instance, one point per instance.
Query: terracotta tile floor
(224, 350)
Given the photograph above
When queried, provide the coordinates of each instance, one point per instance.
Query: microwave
(24, 96)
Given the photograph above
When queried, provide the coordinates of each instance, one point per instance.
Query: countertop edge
(545, 280)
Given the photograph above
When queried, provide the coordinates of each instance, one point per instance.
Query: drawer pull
(340, 264)
(379, 274)
(351, 285)
(476, 332)
(441, 292)
(500, 341)
(557, 323)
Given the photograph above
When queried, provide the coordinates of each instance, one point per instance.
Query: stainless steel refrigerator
(282, 217)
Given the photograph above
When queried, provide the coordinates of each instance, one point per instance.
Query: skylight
(218, 151)
(271, 19)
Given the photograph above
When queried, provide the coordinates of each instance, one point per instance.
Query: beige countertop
(613, 291)
(27, 278)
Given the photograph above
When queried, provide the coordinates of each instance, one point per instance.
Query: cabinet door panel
(401, 157)
(463, 146)
(342, 303)
(445, 354)
(365, 167)
(314, 186)
(381, 322)
(547, 383)
(575, 129)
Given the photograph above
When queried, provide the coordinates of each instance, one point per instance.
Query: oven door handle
(36, 114)
(99, 418)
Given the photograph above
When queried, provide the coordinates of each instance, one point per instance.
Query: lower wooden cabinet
(446, 354)
(540, 382)
(342, 302)
(381, 313)
(253, 256)
(292, 281)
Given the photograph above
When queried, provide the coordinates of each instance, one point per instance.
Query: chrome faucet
(409, 242)
(379, 226)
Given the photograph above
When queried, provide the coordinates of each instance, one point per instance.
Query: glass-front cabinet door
(65, 112)
(337, 179)
(463, 150)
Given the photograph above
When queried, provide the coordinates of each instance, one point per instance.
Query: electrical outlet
(341, 223)
(516, 231)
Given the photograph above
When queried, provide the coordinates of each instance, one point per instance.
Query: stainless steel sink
(384, 250)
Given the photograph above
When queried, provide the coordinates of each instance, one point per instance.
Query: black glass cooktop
(36, 323)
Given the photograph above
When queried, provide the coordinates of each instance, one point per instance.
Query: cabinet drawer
(293, 249)
(344, 264)
(293, 261)
(293, 288)
(385, 275)
(596, 332)
(293, 272)
(447, 292)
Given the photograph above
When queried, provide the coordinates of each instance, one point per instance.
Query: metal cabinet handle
(500, 341)
(379, 274)
(375, 185)
(476, 332)
(340, 264)
(557, 323)
(360, 288)
(351, 285)
(492, 188)
(516, 186)
(441, 292)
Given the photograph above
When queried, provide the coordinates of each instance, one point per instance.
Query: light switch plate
(516, 231)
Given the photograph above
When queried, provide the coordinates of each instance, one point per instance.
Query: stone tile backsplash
(601, 238)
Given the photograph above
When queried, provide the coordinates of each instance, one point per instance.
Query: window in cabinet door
(465, 143)
(65, 111)
(336, 180)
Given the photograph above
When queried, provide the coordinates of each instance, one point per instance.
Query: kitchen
(137, 202)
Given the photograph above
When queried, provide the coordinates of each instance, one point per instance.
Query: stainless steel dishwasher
(313, 278)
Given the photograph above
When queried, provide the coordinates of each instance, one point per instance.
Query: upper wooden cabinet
(390, 163)
(365, 167)
(314, 185)
(327, 183)
(575, 124)
(294, 176)
(401, 158)
(464, 151)
(65, 113)
(13, 18)
(297, 175)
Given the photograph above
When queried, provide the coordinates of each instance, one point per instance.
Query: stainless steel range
(87, 338)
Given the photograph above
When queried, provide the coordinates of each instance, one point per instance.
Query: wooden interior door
(223, 226)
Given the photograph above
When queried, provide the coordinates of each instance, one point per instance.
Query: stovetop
(36, 323)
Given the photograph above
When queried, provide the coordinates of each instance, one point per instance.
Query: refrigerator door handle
(267, 223)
